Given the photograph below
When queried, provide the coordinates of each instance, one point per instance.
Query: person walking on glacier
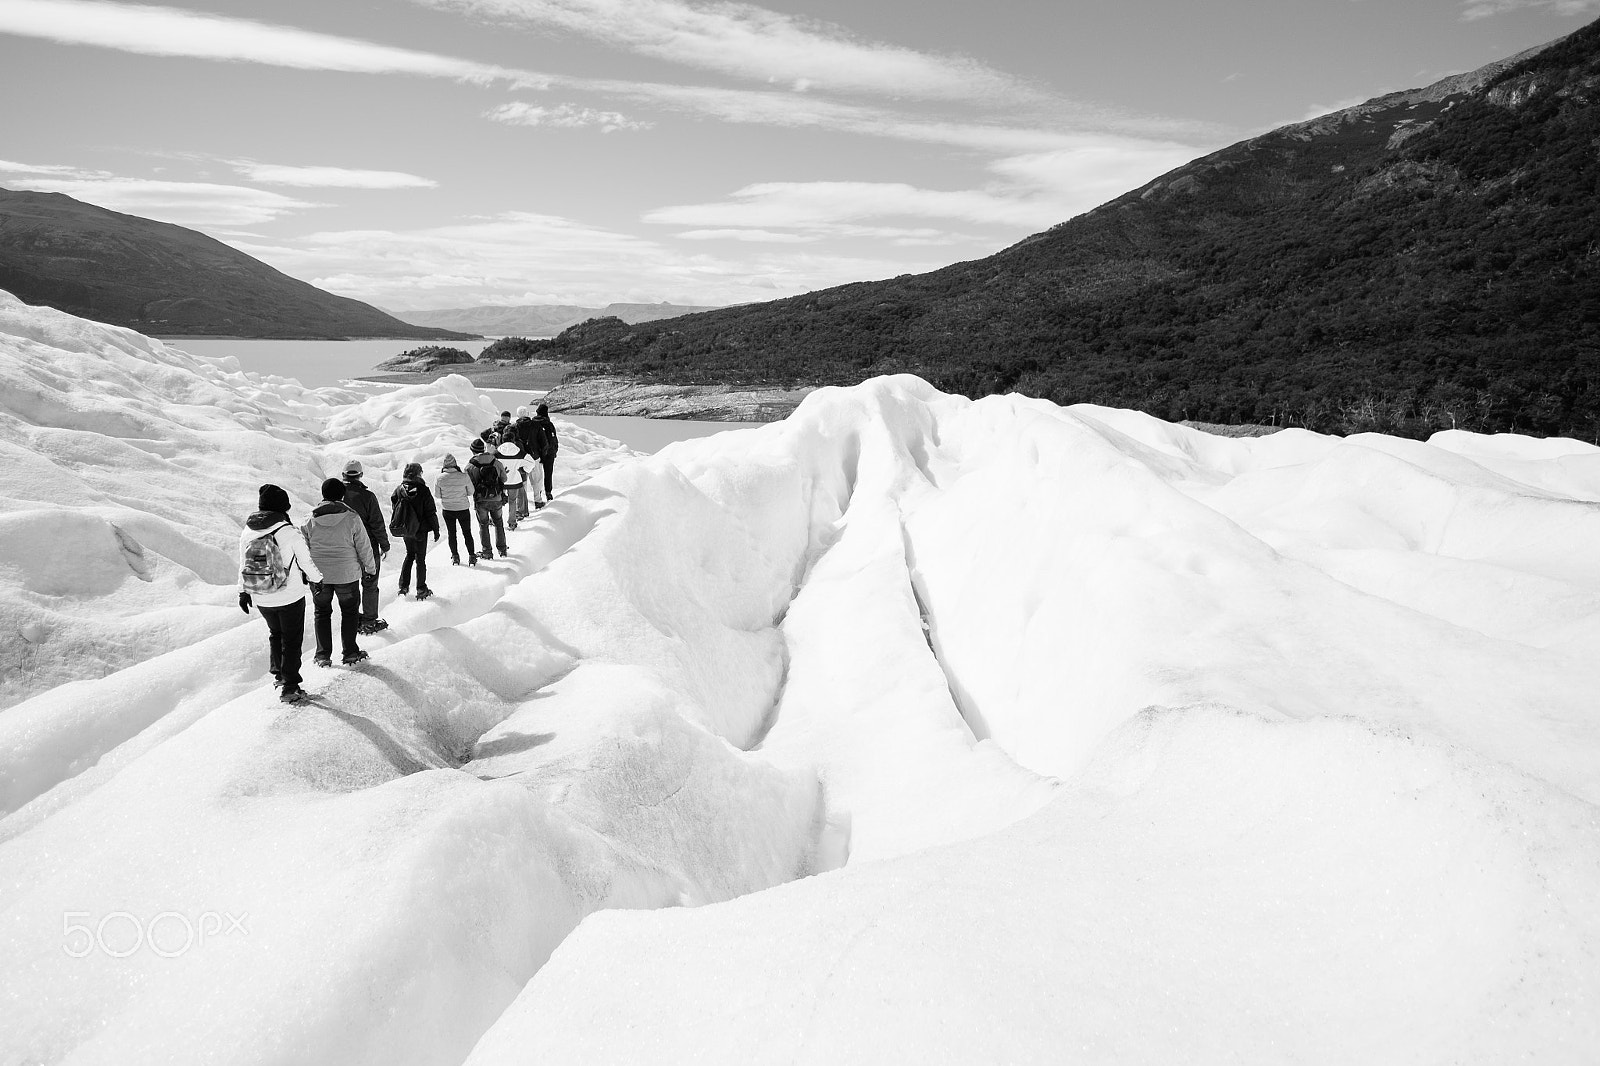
(275, 565)
(453, 490)
(488, 497)
(412, 516)
(549, 444)
(517, 467)
(343, 552)
(364, 502)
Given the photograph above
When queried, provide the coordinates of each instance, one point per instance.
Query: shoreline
(538, 376)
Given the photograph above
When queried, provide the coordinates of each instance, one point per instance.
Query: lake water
(312, 363)
(319, 363)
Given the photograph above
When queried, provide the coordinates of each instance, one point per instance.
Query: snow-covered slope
(909, 727)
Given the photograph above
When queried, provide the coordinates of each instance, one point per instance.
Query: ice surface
(909, 728)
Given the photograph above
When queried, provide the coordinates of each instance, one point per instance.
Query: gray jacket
(339, 544)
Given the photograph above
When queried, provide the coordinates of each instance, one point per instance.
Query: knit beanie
(272, 498)
(450, 463)
(333, 489)
(477, 446)
(544, 410)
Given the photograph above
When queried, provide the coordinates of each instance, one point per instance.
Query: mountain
(541, 320)
(1425, 260)
(164, 279)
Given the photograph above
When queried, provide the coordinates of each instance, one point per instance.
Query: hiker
(364, 502)
(548, 445)
(453, 489)
(343, 552)
(412, 516)
(526, 434)
(271, 550)
(488, 497)
(514, 459)
(502, 428)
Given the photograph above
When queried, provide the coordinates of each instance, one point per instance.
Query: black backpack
(488, 483)
(404, 520)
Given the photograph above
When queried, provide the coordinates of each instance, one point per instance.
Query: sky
(423, 154)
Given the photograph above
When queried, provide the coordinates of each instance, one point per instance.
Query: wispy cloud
(1032, 191)
(563, 116)
(329, 177)
(753, 42)
(1482, 9)
(167, 31)
(527, 257)
(184, 203)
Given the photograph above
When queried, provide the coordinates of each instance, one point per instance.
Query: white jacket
(296, 556)
(517, 465)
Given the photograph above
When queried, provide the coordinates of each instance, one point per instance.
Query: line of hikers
(340, 548)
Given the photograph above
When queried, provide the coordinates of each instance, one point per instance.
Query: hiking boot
(370, 626)
(473, 561)
(324, 661)
(404, 590)
(504, 553)
(423, 594)
(455, 562)
(277, 682)
(358, 657)
(294, 695)
(540, 504)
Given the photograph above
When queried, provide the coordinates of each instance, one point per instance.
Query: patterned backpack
(264, 569)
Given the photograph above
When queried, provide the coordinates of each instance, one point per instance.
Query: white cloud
(1481, 9)
(50, 170)
(756, 236)
(753, 42)
(563, 116)
(166, 31)
(184, 203)
(502, 259)
(1034, 191)
(329, 177)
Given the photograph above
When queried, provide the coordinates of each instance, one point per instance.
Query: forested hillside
(1425, 260)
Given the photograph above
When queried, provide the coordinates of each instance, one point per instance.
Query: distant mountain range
(166, 280)
(1427, 259)
(540, 320)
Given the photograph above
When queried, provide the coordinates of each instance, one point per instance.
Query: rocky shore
(706, 403)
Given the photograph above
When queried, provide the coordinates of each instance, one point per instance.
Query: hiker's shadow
(396, 756)
(510, 744)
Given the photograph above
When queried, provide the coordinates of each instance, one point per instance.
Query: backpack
(527, 435)
(486, 486)
(403, 520)
(264, 569)
(547, 439)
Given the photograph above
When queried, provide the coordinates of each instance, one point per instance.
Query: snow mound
(910, 726)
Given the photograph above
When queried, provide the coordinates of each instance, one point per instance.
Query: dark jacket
(339, 544)
(418, 515)
(526, 435)
(548, 444)
(483, 465)
(360, 499)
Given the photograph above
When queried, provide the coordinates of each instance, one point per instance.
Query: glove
(436, 536)
(316, 586)
(244, 602)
